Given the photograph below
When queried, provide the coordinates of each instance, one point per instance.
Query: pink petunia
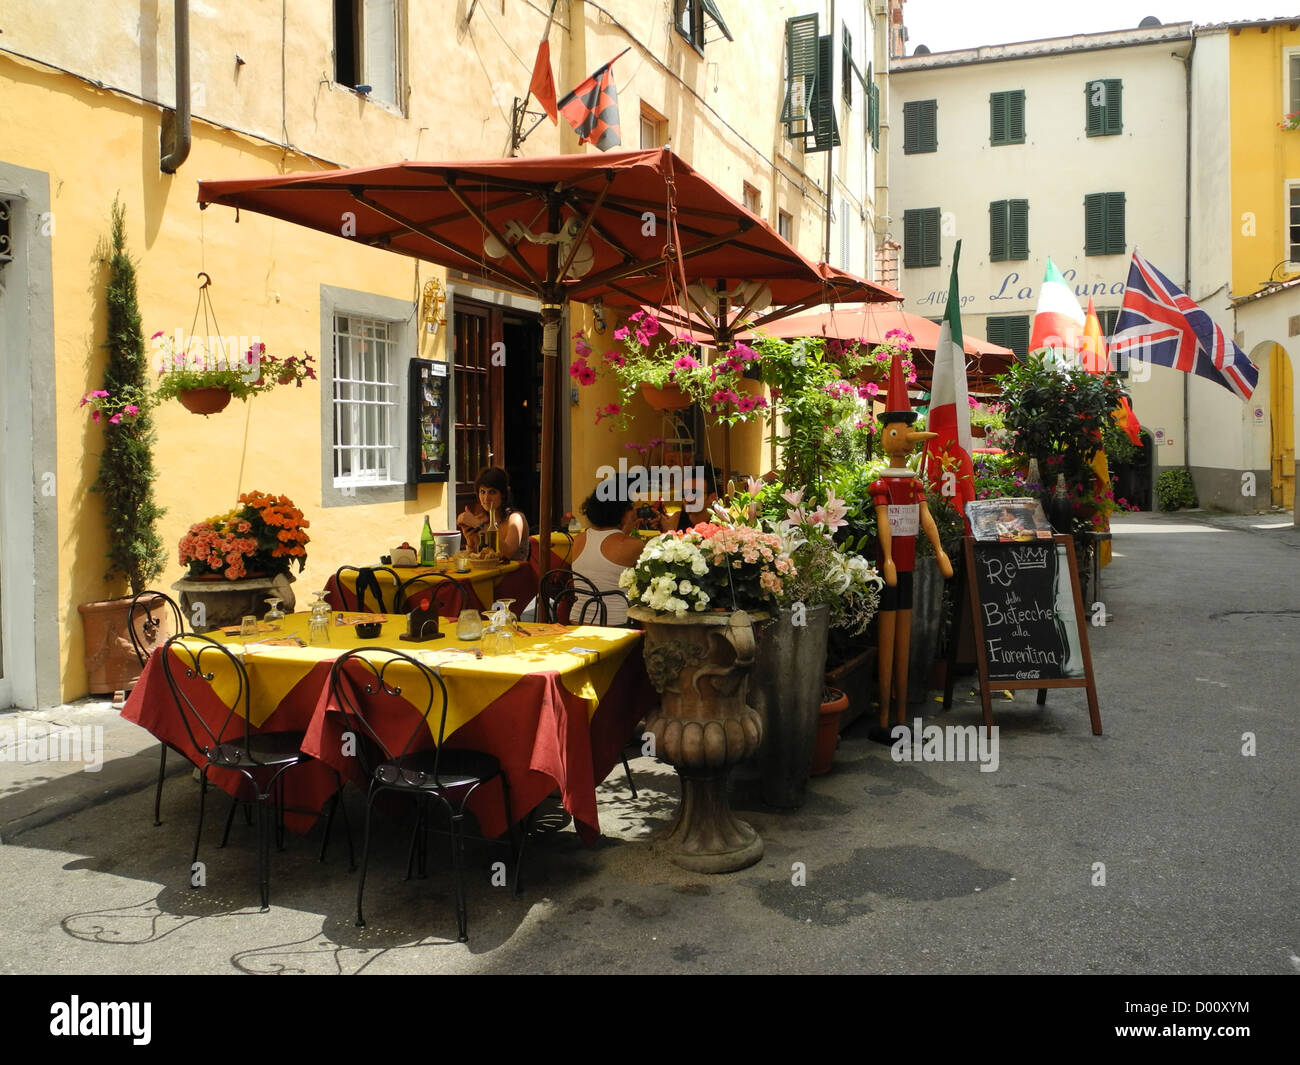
(94, 414)
(115, 420)
(132, 409)
(746, 404)
(587, 375)
(873, 389)
(686, 363)
(622, 333)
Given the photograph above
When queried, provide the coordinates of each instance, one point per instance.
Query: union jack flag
(1160, 323)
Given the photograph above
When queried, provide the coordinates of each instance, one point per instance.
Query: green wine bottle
(428, 555)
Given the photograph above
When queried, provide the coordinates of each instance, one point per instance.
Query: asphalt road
(1166, 845)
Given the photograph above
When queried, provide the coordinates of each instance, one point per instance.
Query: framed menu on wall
(430, 401)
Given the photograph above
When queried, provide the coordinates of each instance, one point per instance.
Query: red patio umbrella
(636, 225)
(871, 323)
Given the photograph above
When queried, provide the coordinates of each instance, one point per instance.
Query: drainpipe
(176, 124)
(1187, 248)
(830, 153)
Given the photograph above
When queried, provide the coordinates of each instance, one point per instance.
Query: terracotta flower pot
(828, 731)
(111, 662)
(204, 401)
(670, 397)
(979, 431)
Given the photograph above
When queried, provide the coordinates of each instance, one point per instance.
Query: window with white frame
(367, 388)
(1290, 80)
(368, 48)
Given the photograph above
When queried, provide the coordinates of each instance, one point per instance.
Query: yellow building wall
(1263, 157)
(266, 277)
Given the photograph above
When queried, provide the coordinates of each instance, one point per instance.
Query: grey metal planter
(927, 624)
(786, 689)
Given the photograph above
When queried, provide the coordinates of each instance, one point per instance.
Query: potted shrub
(126, 475)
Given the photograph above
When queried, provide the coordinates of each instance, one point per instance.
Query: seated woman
(493, 488)
(699, 510)
(608, 547)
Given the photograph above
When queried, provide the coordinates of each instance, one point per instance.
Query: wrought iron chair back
(449, 596)
(573, 599)
(364, 581)
(202, 657)
(378, 672)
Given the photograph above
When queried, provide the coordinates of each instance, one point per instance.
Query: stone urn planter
(224, 602)
(787, 691)
(700, 664)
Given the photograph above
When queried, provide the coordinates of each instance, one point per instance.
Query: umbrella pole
(550, 361)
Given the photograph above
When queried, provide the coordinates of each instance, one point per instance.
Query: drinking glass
(468, 625)
(248, 625)
(274, 615)
(318, 628)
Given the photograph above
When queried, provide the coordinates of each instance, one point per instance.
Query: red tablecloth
(544, 734)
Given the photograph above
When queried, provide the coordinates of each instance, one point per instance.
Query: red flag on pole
(543, 84)
(949, 462)
(592, 108)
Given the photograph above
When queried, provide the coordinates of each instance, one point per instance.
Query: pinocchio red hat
(898, 407)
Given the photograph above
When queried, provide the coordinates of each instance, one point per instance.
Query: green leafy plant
(1174, 489)
(121, 407)
(1119, 448)
(245, 375)
(1056, 414)
(714, 385)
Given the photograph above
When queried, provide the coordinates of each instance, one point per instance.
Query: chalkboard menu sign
(1027, 616)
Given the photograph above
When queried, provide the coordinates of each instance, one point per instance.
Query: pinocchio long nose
(917, 436)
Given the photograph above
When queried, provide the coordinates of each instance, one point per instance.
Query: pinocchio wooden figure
(901, 512)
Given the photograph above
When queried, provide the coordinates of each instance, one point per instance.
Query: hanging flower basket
(670, 397)
(204, 401)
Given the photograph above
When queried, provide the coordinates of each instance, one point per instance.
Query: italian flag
(950, 451)
(1058, 319)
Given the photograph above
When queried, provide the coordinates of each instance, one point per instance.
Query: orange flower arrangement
(264, 534)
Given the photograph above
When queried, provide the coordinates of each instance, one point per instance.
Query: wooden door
(480, 425)
(1282, 455)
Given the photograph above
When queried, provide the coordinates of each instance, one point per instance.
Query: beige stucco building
(274, 89)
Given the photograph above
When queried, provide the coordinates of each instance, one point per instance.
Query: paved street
(910, 868)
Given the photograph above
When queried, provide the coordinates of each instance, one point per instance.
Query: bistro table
(556, 713)
(480, 583)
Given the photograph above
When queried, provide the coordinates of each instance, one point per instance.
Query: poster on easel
(1028, 619)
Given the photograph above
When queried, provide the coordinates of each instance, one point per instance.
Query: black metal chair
(564, 591)
(365, 683)
(261, 758)
(363, 581)
(449, 597)
(148, 615)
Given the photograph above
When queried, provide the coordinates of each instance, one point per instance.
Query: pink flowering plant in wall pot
(668, 374)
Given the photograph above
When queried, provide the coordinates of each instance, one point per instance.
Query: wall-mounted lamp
(598, 313)
(433, 306)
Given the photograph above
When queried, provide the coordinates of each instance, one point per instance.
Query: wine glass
(274, 615)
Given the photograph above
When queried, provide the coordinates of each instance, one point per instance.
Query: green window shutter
(921, 237)
(994, 331)
(1018, 335)
(1114, 106)
(800, 73)
(997, 231)
(846, 65)
(826, 131)
(997, 119)
(1108, 317)
(1017, 229)
(919, 126)
(1007, 117)
(1094, 223)
(1115, 243)
(931, 241)
(1104, 107)
(912, 251)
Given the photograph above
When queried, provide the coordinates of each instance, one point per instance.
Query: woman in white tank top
(608, 547)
